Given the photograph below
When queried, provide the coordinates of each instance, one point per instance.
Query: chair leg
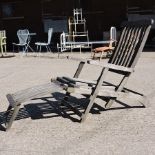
(80, 49)
(94, 94)
(26, 49)
(37, 49)
(119, 88)
(13, 117)
(40, 49)
(2, 50)
(91, 51)
(93, 56)
(39, 53)
(23, 49)
(13, 50)
(90, 104)
(5, 49)
(101, 55)
(47, 48)
(110, 102)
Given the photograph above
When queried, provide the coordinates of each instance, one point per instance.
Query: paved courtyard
(41, 130)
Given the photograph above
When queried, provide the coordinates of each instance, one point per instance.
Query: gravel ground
(41, 130)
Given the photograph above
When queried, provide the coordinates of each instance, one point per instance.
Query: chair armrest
(79, 69)
(111, 66)
(119, 68)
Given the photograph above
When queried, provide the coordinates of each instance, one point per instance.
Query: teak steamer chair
(122, 61)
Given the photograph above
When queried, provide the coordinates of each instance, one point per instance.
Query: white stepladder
(78, 36)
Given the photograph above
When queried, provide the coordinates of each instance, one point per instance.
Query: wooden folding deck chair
(122, 61)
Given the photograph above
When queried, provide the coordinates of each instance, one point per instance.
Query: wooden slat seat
(33, 92)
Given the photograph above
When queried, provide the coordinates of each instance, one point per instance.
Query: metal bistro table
(29, 40)
(82, 44)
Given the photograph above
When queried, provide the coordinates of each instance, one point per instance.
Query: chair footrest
(33, 92)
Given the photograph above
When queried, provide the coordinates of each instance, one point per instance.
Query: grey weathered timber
(19, 97)
(122, 61)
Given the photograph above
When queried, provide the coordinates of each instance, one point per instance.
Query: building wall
(99, 14)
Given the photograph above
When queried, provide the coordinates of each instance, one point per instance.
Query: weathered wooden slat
(143, 37)
(119, 46)
(72, 80)
(119, 49)
(133, 51)
(79, 69)
(30, 93)
(105, 91)
(111, 66)
(66, 82)
(128, 47)
(125, 45)
(131, 48)
(114, 54)
(80, 80)
(120, 68)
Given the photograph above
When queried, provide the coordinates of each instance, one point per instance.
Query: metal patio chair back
(23, 36)
(45, 44)
(3, 41)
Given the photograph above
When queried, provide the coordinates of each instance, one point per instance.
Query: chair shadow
(2, 121)
(51, 109)
(7, 56)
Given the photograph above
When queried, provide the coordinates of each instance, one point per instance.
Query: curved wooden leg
(13, 116)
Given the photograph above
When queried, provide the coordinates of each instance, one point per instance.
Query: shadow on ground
(7, 56)
(50, 109)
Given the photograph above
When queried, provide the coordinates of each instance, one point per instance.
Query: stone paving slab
(41, 130)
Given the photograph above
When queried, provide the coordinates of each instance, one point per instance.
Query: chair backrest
(77, 15)
(23, 36)
(2, 37)
(2, 33)
(113, 35)
(62, 38)
(63, 41)
(50, 32)
(131, 43)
